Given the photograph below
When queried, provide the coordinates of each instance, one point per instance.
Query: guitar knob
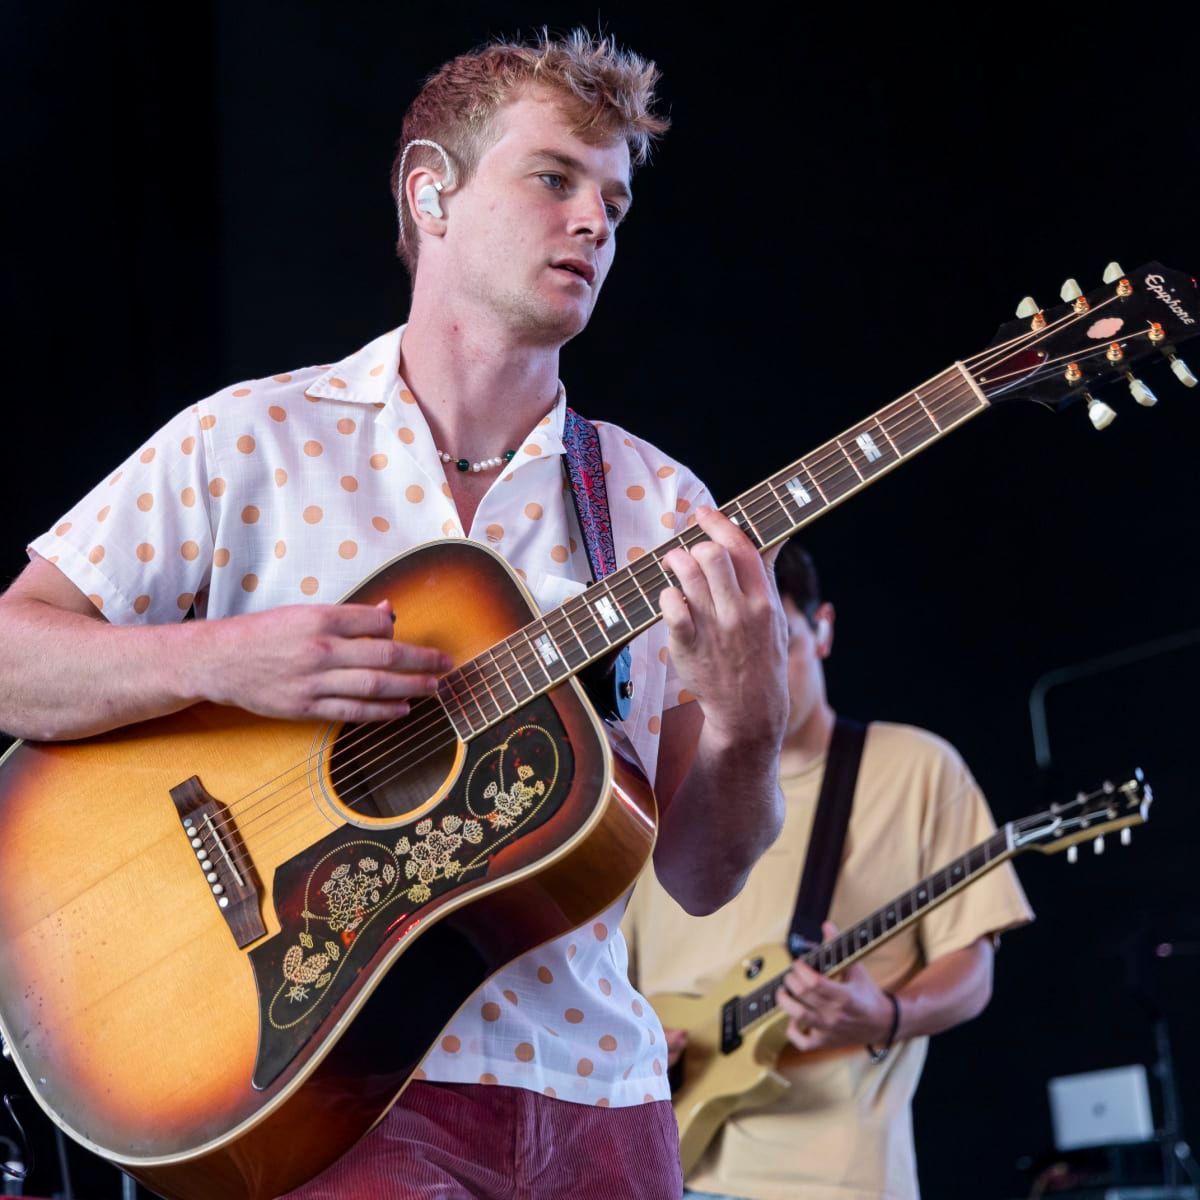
(1072, 854)
(1098, 844)
(1181, 371)
(1112, 273)
(1028, 307)
(1099, 413)
(1141, 393)
(1126, 836)
(1070, 291)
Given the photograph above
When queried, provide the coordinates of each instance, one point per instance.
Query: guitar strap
(607, 682)
(828, 838)
(585, 473)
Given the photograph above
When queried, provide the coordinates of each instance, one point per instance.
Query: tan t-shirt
(843, 1131)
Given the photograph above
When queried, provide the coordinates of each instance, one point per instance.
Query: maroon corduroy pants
(450, 1141)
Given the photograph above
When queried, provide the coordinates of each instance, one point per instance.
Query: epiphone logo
(1155, 284)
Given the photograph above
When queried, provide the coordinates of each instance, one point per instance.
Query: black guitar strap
(828, 837)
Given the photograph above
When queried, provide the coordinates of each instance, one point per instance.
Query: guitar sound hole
(386, 769)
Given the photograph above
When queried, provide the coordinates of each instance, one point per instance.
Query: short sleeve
(139, 545)
(958, 818)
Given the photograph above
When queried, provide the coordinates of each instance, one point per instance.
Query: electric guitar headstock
(1089, 817)
(1060, 354)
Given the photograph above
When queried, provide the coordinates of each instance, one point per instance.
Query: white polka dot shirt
(295, 488)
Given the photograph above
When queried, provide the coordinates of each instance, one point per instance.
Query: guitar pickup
(221, 859)
(731, 1029)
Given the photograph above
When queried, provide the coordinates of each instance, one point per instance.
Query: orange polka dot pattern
(292, 489)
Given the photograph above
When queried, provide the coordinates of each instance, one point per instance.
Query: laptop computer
(1101, 1108)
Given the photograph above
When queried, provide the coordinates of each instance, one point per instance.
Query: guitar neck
(851, 944)
(609, 613)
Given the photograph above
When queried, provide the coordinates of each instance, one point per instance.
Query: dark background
(843, 207)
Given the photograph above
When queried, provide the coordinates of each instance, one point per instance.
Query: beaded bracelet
(877, 1056)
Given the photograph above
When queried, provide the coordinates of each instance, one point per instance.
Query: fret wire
(503, 677)
(455, 680)
(653, 555)
(962, 399)
(474, 700)
(549, 633)
(895, 449)
(491, 696)
(925, 409)
(521, 669)
(527, 635)
(616, 601)
(553, 630)
(473, 665)
(861, 477)
(637, 583)
(595, 619)
(747, 519)
(574, 632)
(769, 511)
(457, 707)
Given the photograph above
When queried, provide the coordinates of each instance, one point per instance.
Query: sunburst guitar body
(227, 941)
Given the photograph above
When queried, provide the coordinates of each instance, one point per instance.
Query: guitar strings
(848, 941)
(419, 730)
(835, 452)
(937, 397)
(484, 678)
(939, 400)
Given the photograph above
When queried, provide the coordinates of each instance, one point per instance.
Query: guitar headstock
(1060, 354)
(1088, 817)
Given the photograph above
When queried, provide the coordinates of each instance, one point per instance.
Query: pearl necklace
(484, 464)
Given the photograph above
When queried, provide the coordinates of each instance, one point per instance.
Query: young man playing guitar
(857, 1042)
(260, 506)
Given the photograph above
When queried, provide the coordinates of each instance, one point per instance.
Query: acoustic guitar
(227, 941)
(735, 1032)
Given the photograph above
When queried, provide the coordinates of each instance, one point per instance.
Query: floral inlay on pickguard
(357, 880)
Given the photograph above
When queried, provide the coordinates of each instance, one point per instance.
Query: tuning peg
(1141, 393)
(1028, 307)
(1112, 273)
(1181, 371)
(1072, 854)
(1099, 413)
(1126, 836)
(1098, 844)
(1070, 291)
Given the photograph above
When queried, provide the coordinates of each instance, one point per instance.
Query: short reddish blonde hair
(607, 93)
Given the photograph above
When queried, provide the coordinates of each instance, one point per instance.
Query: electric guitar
(735, 1032)
(227, 941)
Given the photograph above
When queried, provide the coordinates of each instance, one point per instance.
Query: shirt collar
(372, 376)
(368, 376)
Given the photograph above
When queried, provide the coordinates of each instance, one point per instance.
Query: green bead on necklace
(486, 464)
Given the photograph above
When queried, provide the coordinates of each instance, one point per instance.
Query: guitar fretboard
(851, 944)
(611, 612)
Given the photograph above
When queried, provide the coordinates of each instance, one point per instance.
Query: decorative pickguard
(354, 893)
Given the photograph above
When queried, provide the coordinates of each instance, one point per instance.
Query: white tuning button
(1072, 854)
(1070, 291)
(1141, 393)
(1098, 844)
(1099, 413)
(1181, 371)
(1126, 836)
(1112, 273)
(1028, 307)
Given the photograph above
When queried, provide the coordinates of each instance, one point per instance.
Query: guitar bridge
(221, 859)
